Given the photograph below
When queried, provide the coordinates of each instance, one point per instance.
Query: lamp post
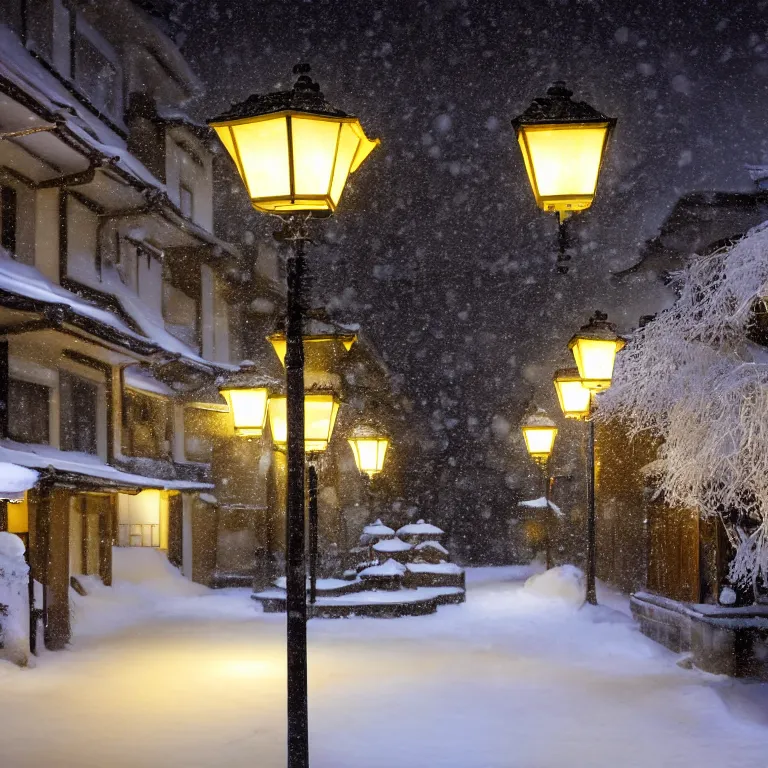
(563, 144)
(369, 446)
(539, 433)
(321, 407)
(294, 153)
(594, 349)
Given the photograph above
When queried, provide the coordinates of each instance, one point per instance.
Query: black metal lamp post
(594, 348)
(294, 153)
(563, 143)
(539, 432)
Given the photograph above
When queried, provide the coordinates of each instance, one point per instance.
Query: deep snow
(166, 673)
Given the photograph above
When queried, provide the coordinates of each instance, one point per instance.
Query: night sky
(437, 248)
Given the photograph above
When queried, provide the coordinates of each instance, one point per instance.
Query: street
(166, 672)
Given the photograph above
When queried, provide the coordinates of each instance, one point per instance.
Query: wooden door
(673, 557)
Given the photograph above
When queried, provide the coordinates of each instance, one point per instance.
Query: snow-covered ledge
(14, 601)
(15, 481)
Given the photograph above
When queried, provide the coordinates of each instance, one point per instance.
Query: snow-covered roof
(135, 378)
(378, 529)
(442, 568)
(389, 568)
(14, 480)
(436, 545)
(20, 69)
(420, 528)
(391, 545)
(27, 281)
(45, 457)
(540, 503)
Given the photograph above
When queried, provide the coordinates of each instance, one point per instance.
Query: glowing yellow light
(563, 163)
(320, 411)
(539, 432)
(369, 453)
(573, 396)
(539, 440)
(594, 349)
(280, 345)
(293, 162)
(248, 407)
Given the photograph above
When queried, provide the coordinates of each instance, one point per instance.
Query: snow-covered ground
(166, 673)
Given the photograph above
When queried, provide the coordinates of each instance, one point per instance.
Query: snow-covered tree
(695, 377)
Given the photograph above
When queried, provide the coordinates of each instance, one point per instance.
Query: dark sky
(437, 248)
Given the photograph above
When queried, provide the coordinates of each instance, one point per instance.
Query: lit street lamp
(539, 433)
(369, 447)
(563, 143)
(294, 153)
(594, 348)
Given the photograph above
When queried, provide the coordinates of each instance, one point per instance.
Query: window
(28, 411)
(97, 71)
(200, 430)
(146, 426)
(8, 219)
(79, 405)
(180, 314)
(186, 201)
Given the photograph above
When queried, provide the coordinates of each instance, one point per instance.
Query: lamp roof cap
(305, 96)
(558, 107)
(248, 376)
(599, 328)
(538, 418)
(566, 374)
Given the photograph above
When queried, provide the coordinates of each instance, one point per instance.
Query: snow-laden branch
(692, 378)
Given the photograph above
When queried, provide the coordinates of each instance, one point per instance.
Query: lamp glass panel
(314, 154)
(574, 398)
(539, 440)
(249, 409)
(319, 418)
(565, 159)
(595, 359)
(369, 453)
(224, 132)
(262, 147)
(278, 419)
(280, 345)
(364, 148)
(348, 144)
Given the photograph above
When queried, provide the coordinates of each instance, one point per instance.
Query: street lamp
(573, 396)
(563, 143)
(539, 433)
(247, 394)
(594, 349)
(320, 411)
(294, 153)
(369, 447)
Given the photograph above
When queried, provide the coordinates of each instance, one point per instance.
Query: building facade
(122, 304)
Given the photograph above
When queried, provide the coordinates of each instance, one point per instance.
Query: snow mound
(420, 528)
(143, 566)
(11, 546)
(391, 545)
(566, 583)
(378, 529)
(390, 568)
(14, 480)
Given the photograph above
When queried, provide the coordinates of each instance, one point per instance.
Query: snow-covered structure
(127, 287)
(681, 441)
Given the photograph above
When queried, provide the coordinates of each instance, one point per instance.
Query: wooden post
(57, 623)
(106, 538)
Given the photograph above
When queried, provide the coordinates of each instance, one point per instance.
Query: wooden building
(121, 304)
